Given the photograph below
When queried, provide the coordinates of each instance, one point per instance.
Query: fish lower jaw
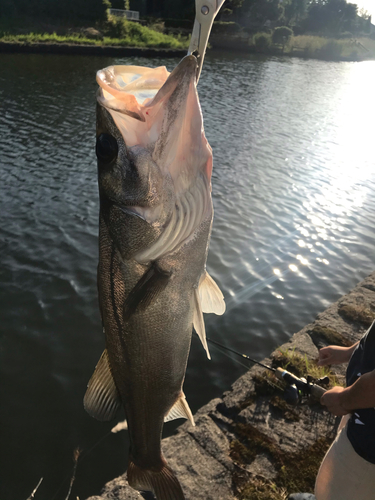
(191, 208)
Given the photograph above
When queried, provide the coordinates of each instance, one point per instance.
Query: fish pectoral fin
(102, 400)
(180, 410)
(211, 298)
(152, 283)
(198, 322)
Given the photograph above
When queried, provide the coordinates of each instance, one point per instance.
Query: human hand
(332, 399)
(334, 355)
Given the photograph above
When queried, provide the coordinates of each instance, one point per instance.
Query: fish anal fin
(121, 426)
(102, 399)
(163, 483)
(152, 283)
(211, 298)
(198, 322)
(180, 410)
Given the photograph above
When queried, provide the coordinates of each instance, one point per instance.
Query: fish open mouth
(131, 89)
(154, 108)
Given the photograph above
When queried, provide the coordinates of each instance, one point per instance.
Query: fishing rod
(305, 386)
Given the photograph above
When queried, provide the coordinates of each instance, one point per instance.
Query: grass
(160, 41)
(266, 384)
(318, 47)
(116, 32)
(328, 48)
(301, 366)
(261, 489)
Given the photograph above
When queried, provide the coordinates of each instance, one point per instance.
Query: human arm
(361, 394)
(335, 355)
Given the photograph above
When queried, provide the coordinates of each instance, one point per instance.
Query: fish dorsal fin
(198, 322)
(180, 410)
(102, 399)
(146, 291)
(211, 298)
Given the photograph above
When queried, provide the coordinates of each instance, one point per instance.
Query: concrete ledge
(90, 50)
(207, 458)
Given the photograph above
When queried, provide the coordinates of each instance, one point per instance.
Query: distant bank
(89, 50)
(313, 47)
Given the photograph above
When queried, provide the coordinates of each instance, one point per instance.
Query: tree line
(329, 17)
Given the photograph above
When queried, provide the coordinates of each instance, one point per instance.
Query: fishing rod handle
(315, 390)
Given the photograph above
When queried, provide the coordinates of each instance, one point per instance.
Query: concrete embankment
(251, 444)
(88, 50)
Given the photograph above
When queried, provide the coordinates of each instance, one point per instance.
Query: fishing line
(79, 460)
(228, 355)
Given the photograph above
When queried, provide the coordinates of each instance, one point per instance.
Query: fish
(155, 220)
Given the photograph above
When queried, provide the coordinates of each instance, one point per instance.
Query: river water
(293, 190)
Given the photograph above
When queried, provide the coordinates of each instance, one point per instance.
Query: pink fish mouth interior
(152, 107)
(129, 88)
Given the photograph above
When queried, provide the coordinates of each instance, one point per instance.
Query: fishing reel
(301, 388)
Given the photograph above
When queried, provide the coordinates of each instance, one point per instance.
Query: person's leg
(343, 474)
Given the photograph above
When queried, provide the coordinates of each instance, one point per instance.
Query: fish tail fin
(163, 483)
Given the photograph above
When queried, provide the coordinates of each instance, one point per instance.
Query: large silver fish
(154, 171)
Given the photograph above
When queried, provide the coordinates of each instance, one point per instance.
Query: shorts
(343, 474)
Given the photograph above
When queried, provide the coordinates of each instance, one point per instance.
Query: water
(293, 189)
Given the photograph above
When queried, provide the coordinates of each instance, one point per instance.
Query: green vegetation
(262, 42)
(316, 47)
(260, 489)
(115, 31)
(326, 48)
(162, 41)
(301, 366)
(282, 35)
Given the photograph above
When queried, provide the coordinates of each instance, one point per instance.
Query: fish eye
(106, 148)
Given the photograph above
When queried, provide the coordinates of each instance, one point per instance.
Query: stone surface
(201, 455)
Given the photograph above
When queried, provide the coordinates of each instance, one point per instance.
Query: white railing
(129, 14)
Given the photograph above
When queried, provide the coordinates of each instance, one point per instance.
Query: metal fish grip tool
(299, 387)
(205, 13)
